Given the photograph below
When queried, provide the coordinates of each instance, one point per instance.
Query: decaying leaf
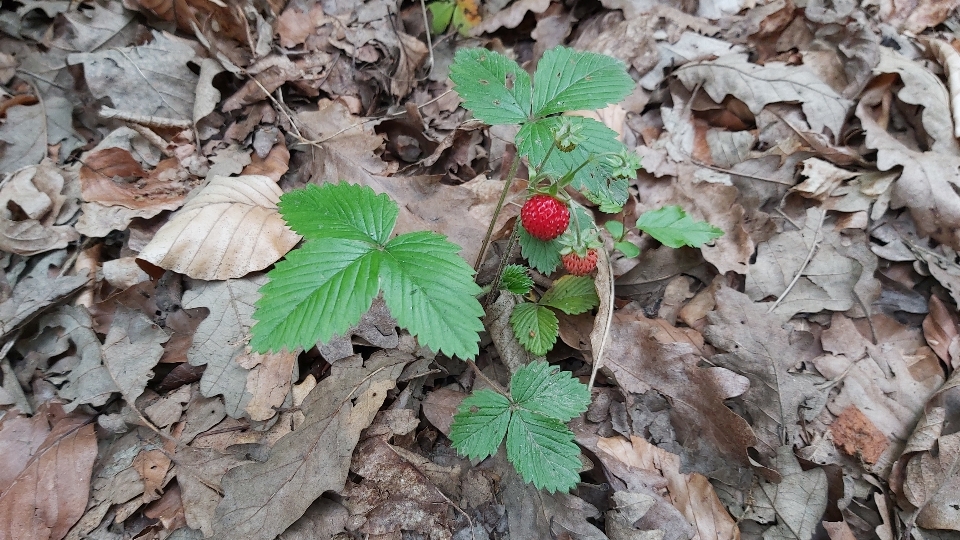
(796, 504)
(50, 493)
(262, 499)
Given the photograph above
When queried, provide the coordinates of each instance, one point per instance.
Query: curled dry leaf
(758, 86)
(62, 465)
(229, 229)
(163, 188)
(928, 473)
(269, 382)
(949, 58)
(691, 494)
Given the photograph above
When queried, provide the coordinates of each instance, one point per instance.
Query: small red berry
(544, 217)
(580, 266)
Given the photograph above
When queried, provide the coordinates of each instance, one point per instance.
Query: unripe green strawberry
(544, 217)
(580, 266)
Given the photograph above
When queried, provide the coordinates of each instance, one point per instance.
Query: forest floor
(795, 378)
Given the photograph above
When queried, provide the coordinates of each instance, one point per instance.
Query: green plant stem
(512, 243)
(496, 212)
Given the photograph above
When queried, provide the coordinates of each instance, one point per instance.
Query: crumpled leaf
(112, 177)
(268, 382)
(262, 499)
(229, 229)
(216, 343)
(691, 494)
(758, 347)
(758, 86)
(149, 80)
(714, 437)
(394, 494)
(928, 473)
(61, 466)
(132, 347)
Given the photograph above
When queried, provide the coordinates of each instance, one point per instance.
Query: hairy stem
(496, 212)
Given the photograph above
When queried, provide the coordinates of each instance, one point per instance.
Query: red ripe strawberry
(544, 217)
(580, 266)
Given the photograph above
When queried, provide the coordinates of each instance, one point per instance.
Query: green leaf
(430, 291)
(441, 14)
(569, 80)
(318, 291)
(572, 295)
(323, 288)
(672, 227)
(543, 452)
(615, 228)
(492, 86)
(544, 256)
(628, 249)
(339, 211)
(516, 279)
(545, 389)
(536, 327)
(535, 139)
(480, 424)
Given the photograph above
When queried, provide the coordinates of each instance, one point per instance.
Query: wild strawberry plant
(349, 258)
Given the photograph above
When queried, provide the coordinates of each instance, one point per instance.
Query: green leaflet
(323, 288)
(492, 86)
(539, 444)
(672, 227)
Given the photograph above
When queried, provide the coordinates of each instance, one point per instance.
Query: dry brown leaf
(710, 433)
(229, 229)
(112, 177)
(926, 185)
(758, 86)
(218, 342)
(20, 437)
(324, 519)
(262, 499)
(756, 345)
(31, 204)
(949, 59)
(25, 137)
(394, 494)
(888, 382)
(928, 473)
(797, 503)
(510, 17)
(691, 494)
(50, 494)
(940, 329)
(151, 80)
(440, 405)
(915, 16)
(269, 382)
(199, 471)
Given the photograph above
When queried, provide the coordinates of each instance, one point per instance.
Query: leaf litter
(795, 378)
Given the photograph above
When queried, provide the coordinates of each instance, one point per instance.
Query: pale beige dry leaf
(229, 229)
(50, 494)
(88, 382)
(98, 220)
(25, 135)
(131, 349)
(838, 277)
(31, 204)
(510, 17)
(949, 59)
(324, 519)
(756, 345)
(376, 327)
(691, 494)
(922, 88)
(269, 382)
(262, 499)
(758, 86)
(690, 47)
(823, 179)
(219, 339)
(713, 436)
(20, 437)
(30, 237)
(797, 503)
(152, 80)
(915, 16)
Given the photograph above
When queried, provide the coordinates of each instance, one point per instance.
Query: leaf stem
(514, 236)
(493, 384)
(496, 212)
